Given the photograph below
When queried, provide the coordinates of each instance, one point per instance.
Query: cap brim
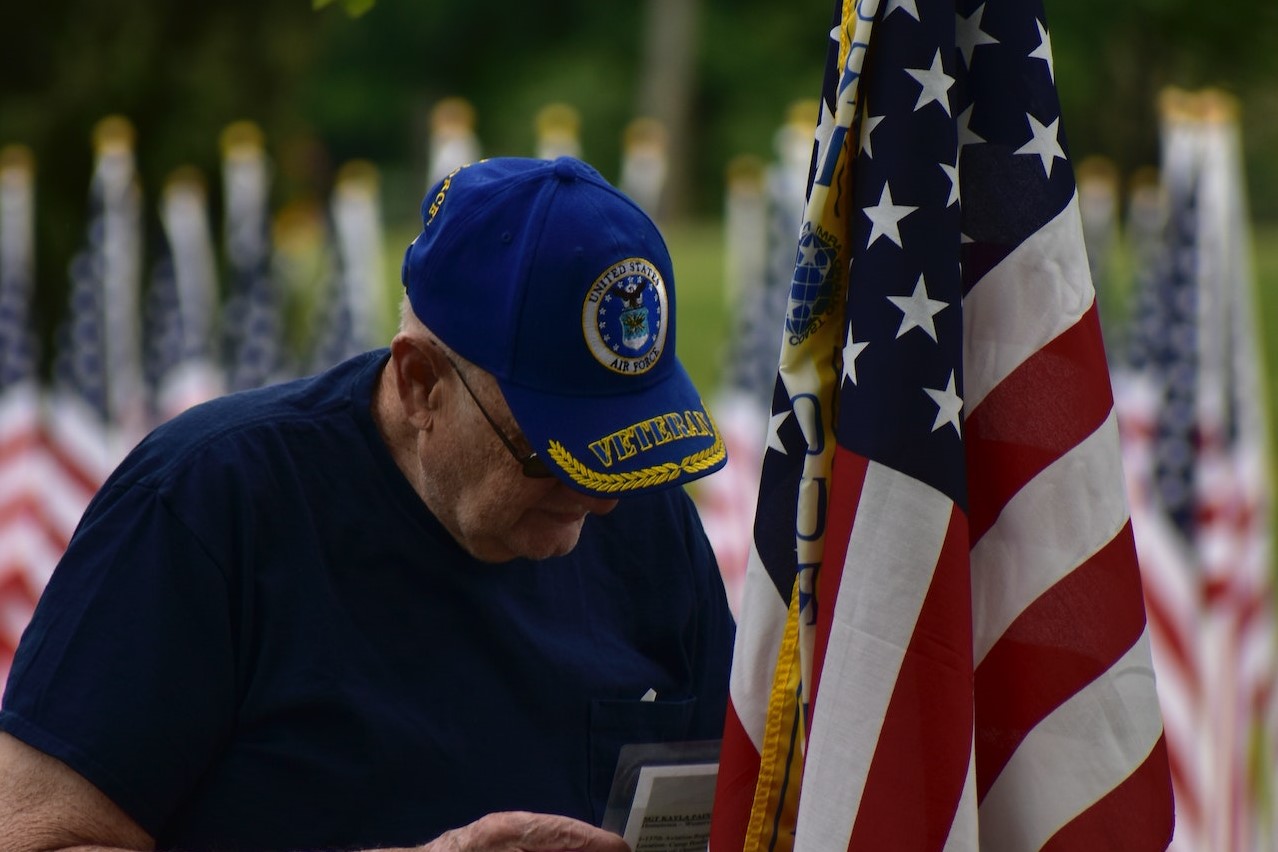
(611, 446)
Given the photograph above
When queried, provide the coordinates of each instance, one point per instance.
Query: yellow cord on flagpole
(776, 795)
(809, 366)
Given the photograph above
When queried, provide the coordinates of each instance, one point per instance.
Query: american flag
(758, 226)
(96, 409)
(253, 333)
(97, 406)
(762, 214)
(645, 163)
(352, 314)
(1194, 434)
(453, 141)
(942, 642)
(27, 550)
(182, 304)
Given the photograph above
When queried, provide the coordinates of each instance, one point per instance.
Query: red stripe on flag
(87, 481)
(847, 478)
(920, 762)
(1045, 407)
(33, 510)
(1063, 641)
(1171, 641)
(734, 793)
(1135, 816)
(1189, 806)
(19, 444)
(18, 598)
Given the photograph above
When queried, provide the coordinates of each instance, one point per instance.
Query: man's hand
(517, 831)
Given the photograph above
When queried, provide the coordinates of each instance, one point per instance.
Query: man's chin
(545, 542)
(554, 540)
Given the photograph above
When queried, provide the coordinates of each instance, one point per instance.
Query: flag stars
(852, 349)
(918, 310)
(1044, 143)
(951, 174)
(774, 431)
(886, 217)
(1044, 50)
(971, 36)
(867, 128)
(967, 136)
(935, 82)
(948, 406)
(811, 256)
(909, 7)
(824, 133)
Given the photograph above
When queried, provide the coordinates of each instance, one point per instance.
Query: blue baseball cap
(561, 287)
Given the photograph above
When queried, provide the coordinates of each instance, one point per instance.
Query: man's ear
(418, 366)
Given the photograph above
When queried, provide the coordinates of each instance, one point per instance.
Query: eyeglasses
(531, 464)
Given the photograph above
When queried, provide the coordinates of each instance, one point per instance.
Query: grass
(1265, 255)
(702, 325)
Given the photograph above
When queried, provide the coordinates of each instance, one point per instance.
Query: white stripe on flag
(893, 550)
(1037, 539)
(1049, 781)
(764, 610)
(1038, 291)
(964, 834)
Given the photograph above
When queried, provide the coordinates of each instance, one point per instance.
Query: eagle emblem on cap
(624, 316)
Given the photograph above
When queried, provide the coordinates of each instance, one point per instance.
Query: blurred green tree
(327, 87)
(354, 8)
(1112, 59)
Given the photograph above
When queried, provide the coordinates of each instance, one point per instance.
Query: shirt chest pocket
(615, 723)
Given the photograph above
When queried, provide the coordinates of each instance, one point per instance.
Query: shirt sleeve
(126, 672)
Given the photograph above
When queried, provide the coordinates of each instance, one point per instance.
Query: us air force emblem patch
(624, 316)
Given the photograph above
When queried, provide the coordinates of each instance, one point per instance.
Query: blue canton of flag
(26, 553)
(162, 322)
(1173, 351)
(79, 366)
(902, 357)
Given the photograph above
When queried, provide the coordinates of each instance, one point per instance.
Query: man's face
(478, 491)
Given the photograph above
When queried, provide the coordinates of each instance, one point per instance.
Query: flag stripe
(898, 533)
(1006, 320)
(921, 763)
(1127, 820)
(1005, 433)
(1022, 810)
(734, 794)
(749, 686)
(1036, 665)
(781, 757)
(1053, 525)
(1172, 635)
(1185, 781)
(847, 475)
(965, 831)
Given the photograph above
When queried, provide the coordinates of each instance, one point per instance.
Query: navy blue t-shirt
(260, 639)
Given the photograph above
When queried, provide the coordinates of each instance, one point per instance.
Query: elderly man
(423, 598)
